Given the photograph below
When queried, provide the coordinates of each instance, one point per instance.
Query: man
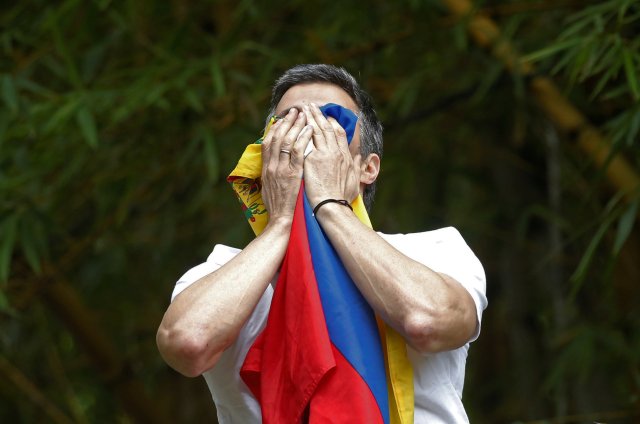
(428, 286)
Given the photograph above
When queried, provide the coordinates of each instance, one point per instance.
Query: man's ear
(370, 168)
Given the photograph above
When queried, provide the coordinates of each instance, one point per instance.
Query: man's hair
(370, 125)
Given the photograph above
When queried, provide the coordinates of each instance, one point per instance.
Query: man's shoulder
(440, 235)
(443, 250)
(222, 254)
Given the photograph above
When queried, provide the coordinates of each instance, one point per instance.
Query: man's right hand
(282, 165)
(206, 318)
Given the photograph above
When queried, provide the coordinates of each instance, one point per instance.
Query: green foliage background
(120, 119)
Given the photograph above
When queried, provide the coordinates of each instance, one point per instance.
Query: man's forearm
(206, 318)
(432, 311)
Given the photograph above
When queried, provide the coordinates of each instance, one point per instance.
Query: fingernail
(292, 110)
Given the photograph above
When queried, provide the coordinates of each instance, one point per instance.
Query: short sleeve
(446, 252)
(220, 255)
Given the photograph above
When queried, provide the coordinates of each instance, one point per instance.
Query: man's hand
(330, 172)
(282, 162)
(206, 318)
(432, 311)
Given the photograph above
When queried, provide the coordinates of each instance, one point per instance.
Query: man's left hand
(330, 171)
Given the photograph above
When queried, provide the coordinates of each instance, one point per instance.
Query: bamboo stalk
(65, 302)
(11, 373)
(566, 117)
(619, 172)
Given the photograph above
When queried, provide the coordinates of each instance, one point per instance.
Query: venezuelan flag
(323, 356)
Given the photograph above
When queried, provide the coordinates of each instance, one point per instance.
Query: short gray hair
(371, 127)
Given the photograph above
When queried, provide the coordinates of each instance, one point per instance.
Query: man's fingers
(325, 127)
(299, 147)
(288, 143)
(272, 130)
(340, 136)
(278, 143)
(318, 138)
(283, 129)
(268, 139)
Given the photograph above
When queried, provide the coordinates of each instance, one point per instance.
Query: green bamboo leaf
(575, 28)
(9, 93)
(494, 71)
(29, 245)
(616, 128)
(619, 91)
(61, 115)
(604, 79)
(254, 47)
(72, 73)
(155, 95)
(596, 50)
(33, 87)
(87, 126)
(577, 278)
(596, 10)
(625, 225)
(193, 100)
(8, 231)
(630, 71)
(217, 77)
(563, 61)
(211, 157)
(634, 127)
(610, 55)
(551, 50)
(598, 23)
(578, 64)
(622, 10)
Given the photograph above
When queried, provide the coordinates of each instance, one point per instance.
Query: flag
(323, 356)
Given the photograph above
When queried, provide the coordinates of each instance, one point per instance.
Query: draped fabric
(323, 355)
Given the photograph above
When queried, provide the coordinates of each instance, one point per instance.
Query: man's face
(320, 94)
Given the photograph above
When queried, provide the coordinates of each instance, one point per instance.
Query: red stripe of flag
(293, 363)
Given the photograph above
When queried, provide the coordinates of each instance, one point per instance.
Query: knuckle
(287, 118)
(279, 133)
(326, 126)
(289, 139)
(271, 169)
(300, 121)
(290, 118)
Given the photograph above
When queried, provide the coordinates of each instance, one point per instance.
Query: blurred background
(515, 121)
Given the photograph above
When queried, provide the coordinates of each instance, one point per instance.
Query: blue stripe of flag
(350, 320)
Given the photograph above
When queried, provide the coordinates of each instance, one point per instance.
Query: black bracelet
(342, 202)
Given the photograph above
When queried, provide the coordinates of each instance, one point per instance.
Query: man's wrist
(320, 204)
(280, 224)
(329, 209)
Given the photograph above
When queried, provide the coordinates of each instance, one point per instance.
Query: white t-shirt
(438, 378)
